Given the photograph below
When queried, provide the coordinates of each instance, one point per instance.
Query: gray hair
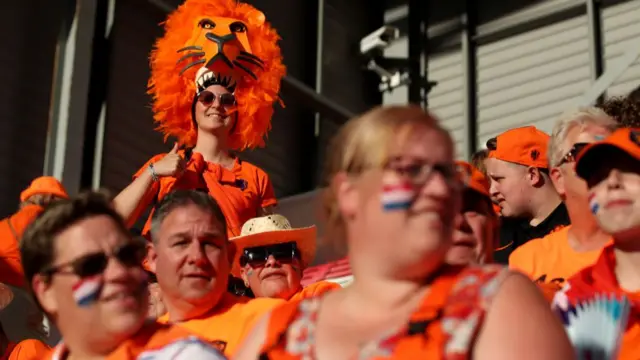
(180, 198)
(582, 117)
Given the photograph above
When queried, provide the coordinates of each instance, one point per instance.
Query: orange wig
(248, 53)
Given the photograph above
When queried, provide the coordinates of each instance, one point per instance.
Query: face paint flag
(87, 291)
(593, 204)
(397, 195)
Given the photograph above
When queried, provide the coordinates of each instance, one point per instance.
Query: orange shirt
(551, 258)
(600, 278)
(29, 349)
(315, 289)
(11, 230)
(155, 339)
(227, 325)
(240, 192)
(458, 297)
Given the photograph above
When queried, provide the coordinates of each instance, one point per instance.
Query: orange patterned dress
(444, 326)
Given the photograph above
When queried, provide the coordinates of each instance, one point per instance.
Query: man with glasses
(271, 257)
(86, 273)
(611, 170)
(530, 207)
(557, 256)
(191, 257)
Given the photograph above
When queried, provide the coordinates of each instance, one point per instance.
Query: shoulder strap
(467, 305)
(279, 320)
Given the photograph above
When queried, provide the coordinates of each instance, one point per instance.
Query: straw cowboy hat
(271, 230)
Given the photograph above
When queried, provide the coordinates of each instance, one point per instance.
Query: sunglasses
(207, 98)
(130, 255)
(258, 256)
(572, 154)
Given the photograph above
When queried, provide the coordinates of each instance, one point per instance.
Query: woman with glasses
(86, 273)
(214, 99)
(391, 200)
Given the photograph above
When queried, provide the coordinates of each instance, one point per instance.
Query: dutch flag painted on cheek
(593, 204)
(397, 196)
(87, 291)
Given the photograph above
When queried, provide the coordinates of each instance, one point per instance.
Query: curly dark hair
(625, 110)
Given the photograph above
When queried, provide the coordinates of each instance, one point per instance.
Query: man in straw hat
(30, 349)
(270, 256)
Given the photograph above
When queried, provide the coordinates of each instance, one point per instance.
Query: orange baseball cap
(525, 146)
(472, 178)
(625, 139)
(44, 185)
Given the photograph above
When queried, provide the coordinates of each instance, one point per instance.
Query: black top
(515, 232)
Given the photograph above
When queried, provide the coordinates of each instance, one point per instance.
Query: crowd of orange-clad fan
(217, 272)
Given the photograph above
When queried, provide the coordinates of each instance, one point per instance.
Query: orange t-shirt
(551, 258)
(227, 325)
(240, 192)
(29, 349)
(314, 289)
(155, 339)
(11, 230)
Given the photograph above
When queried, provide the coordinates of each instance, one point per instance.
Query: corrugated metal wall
(621, 26)
(446, 100)
(28, 38)
(531, 78)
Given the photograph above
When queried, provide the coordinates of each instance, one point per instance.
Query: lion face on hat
(234, 42)
(220, 45)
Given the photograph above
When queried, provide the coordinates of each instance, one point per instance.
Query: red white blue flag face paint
(397, 195)
(87, 291)
(593, 204)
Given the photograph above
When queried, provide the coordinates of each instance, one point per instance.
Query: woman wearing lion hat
(214, 78)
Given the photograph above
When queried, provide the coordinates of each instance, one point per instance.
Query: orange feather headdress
(229, 42)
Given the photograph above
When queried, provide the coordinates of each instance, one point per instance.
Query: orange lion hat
(220, 42)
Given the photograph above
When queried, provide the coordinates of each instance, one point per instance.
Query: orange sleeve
(11, 271)
(265, 189)
(523, 258)
(29, 349)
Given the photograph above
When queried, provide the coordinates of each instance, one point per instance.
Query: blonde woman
(391, 201)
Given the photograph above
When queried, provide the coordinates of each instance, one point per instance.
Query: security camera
(379, 39)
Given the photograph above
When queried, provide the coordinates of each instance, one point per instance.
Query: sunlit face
(403, 214)
(475, 230)
(212, 115)
(614, 192)
(510, 188)
(273, 278)
(573, 188)
(120, 307)
(190, 257)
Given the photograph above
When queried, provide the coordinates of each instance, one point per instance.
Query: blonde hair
(582, 116)
(364, 143)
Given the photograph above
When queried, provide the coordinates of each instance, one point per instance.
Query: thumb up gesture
(171, 164)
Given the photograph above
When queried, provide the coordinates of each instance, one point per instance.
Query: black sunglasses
(129, 255)
(258, 256)
(207, 98)
(572, 154)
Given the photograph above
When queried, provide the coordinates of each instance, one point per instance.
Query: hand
(171, 164)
